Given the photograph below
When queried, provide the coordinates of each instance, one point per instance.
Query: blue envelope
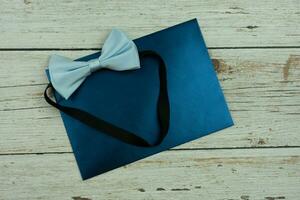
(128, 100)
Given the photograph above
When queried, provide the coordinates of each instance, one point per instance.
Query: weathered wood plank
(85, 24)
(219, 174)
(262, 87)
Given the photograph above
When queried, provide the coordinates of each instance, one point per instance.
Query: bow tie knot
(118, 53)
(94, 64)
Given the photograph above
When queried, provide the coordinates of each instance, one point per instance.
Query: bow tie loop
(118, 53)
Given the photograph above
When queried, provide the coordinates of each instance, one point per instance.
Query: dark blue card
(128, 99)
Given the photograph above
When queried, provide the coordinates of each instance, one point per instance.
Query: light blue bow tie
(118, 53)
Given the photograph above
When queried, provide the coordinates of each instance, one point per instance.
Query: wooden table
(255, 46)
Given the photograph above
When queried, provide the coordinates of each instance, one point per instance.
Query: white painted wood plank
(219, 174)
(85, 24)
(262, 88)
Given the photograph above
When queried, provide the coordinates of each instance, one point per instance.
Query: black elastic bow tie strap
(163, 111)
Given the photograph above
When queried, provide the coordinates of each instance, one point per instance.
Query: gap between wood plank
(183, 149)
(85, 49)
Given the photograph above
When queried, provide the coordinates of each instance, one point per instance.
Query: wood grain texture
(85, 24)
(262, 87)
(220, 174)
(255, 46)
